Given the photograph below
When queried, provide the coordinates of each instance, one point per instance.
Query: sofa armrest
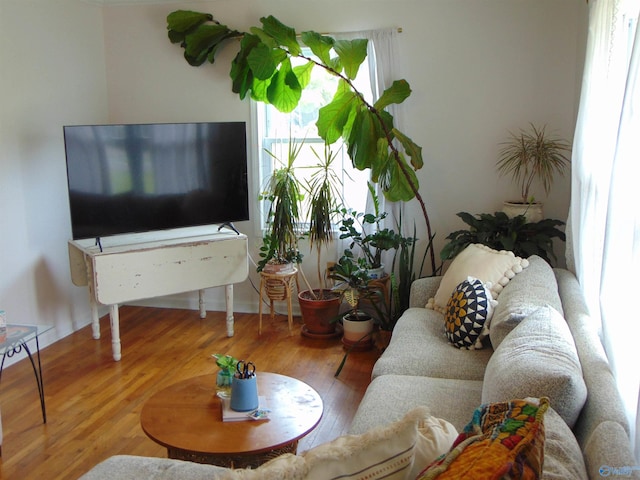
(422, 290)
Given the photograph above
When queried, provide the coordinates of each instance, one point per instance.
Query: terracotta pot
(319, 316)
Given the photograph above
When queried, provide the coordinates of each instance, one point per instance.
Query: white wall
(52, 72)
(477, 69)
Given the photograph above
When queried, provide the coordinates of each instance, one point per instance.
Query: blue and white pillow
(468, 314)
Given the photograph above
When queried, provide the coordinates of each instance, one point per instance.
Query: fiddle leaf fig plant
(262, 68)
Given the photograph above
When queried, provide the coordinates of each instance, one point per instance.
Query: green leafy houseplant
(531, 155)
(284, 194)
(501, 232)
(262, 69)
(365, 231)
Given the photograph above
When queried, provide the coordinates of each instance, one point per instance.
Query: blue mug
(244, 394)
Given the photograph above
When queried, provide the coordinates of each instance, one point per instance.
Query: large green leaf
(333, 117)
(396, 182)
(284, 35)
(284, 91)
(410, 147)
(262, 61)
(200, 42)
(181, 21)
(259, 90)
(241, 74)
(265, 38)
(398, 92)
(352, 53)
(303, 72)
(363, 140)
(320, 45)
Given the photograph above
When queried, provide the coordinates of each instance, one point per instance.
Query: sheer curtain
(604, 224)
(382, 56)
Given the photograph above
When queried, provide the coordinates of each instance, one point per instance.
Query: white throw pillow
(396, 451)
(494, 268)
(284, 467)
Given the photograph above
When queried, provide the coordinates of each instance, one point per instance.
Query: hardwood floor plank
(93, 403)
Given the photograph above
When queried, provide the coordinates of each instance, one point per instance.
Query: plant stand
(278, 287)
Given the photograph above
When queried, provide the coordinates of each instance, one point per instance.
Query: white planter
(357, 330)
(376, 273)
(532, 211)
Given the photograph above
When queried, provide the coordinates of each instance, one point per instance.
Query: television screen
(138, 178)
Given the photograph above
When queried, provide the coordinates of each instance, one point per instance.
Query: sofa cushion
(503, 440)
(563, 458)
(468, 314)
(538, 358)
(495, 268)
(419, 346)
(388, 451)
(534, 287)
(388, 398)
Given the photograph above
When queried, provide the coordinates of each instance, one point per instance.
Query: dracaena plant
(263, 70)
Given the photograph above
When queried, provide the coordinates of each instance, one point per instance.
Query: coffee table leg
(232, 461)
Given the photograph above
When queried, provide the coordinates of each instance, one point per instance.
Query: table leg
(95, 318)
(229, 299)
(260, 306)
(114, 315)
(201, 305)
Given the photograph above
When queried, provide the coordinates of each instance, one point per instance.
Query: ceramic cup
(244, 394)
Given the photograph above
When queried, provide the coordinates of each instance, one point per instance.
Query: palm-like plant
(280, 242)
(532, 155)
(324, 196)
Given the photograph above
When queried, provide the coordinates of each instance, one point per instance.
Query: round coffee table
(186, 418)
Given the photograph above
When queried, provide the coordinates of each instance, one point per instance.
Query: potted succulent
(501, 232)
(528, 156)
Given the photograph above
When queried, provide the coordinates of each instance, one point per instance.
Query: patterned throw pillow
(503, 440)
(494, 268)
(468, 314)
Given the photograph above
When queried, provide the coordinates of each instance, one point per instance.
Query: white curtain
(384, 69)
(604, 224)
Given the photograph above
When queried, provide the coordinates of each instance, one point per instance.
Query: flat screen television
(147, 177)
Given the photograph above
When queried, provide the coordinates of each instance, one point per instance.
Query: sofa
(531, 346)
(541, 342)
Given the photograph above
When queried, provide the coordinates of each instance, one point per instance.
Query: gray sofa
(540, 326)
(542, 342)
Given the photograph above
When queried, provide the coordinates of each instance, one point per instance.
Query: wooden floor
(93, 403)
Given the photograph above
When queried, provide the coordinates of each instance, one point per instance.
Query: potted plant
(279, 248)
(227, 365)
(501, 232)
(262, 68)
(319, 306)
(367, 236)
(528, 156)
(354, 285)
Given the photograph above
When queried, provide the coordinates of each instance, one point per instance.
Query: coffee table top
(188, 416)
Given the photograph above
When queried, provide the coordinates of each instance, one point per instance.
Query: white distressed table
(140, 266)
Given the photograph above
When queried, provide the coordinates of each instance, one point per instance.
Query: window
(274, 129)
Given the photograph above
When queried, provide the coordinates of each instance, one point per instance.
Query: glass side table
(16, 340)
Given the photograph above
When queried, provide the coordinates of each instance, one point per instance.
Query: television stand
(144, 266)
